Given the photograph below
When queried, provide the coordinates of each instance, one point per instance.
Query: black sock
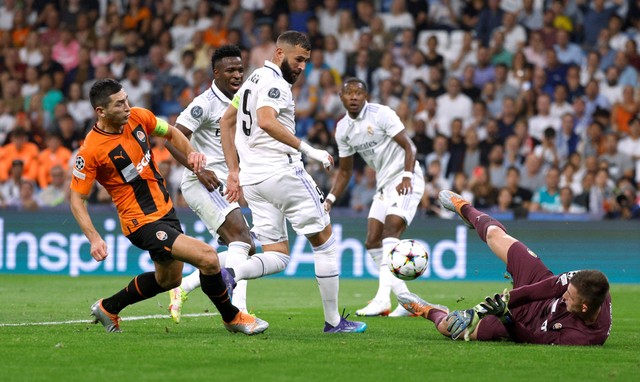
(142, 287)
(213, 286)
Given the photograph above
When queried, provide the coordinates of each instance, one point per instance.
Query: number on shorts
(321, 194)
(245, 99)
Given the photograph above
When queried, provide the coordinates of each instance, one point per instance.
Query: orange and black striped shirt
(123, 164)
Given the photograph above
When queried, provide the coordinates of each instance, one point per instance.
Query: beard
(287, 72)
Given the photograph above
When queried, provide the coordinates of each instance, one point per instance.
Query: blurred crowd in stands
(522, 106)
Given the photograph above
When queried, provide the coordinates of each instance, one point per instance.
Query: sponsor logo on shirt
(161, 235)
(141, 136)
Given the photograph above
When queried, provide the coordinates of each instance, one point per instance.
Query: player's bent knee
(373, 244)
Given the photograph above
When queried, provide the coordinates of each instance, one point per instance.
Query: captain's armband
(162, 127)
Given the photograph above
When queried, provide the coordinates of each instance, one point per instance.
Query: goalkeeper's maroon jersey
(540, 315)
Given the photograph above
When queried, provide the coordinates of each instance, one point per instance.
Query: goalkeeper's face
(228, 75)
(574, 301)
(353, 96)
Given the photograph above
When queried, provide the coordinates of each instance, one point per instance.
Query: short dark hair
(592, 285)
(351, 80)
(294, 38)
(101, 90)
(223, 52)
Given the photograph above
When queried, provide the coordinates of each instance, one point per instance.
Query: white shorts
(291, 194)
(211, 207)
(388, 202)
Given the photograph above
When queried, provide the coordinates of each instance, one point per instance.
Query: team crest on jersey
(141, 136)
(370, 130)
(557, 326)
(532, 253)
(196, 112)
(274, 93)
(79, 163)
(161, 235)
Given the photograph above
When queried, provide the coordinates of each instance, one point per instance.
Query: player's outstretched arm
(207, 177)
(195, 160)
(80, 212)
(345, 169)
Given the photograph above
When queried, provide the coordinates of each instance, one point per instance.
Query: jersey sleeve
(344, 149)
(552, 287)
(84, 171)
(150, 123)
(566, 336)
(193, 116)
(274, 96)
(389, 121)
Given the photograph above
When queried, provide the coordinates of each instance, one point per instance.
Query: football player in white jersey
(376, 133)
(259, 129)
(203, 191)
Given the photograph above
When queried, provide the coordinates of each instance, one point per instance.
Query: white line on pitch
(134, 318)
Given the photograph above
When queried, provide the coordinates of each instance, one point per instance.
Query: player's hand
(197, 161)
(233, 191)
(322, 156)
(327, 205)
(208, 179)
(405, 187)
(99, 250)
(498, 306)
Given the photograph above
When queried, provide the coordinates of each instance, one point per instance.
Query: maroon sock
(436, 316)
(480, 220)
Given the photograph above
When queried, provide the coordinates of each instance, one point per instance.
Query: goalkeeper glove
(498, 306)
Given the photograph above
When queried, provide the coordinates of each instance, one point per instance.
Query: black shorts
(525, 268)
(158, 237)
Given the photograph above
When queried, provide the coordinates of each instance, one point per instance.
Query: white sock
(384, 277)
(325, 259)
(238, 253)
(261, 264)
(191, 282)
(397, 286)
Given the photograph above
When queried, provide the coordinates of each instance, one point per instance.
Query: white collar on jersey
(218, 93)
(360, 115)
(272, 66)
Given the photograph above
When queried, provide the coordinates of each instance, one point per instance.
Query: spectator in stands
(567, 51)
(53, 155)
(137, 16)
(336, 59)
(498, 53)
(628, 75)
(601, 195)
(138, 88)
(441, 154)
(596, 19)
(496, 166)
(119, 66)
(514, 34)
(547, 198)
(593, 144)
(471, 14)
(560, 106)
(419, 137)
(50, 30)
(567, 206)
(530, 16)
(488, 19)
(520, 196)
(30, 54)
(484, 71)
(567, 140)
(466, 55)
(467, 84)
(71, 136)
(630, 144)
(543, 118)
(432, 56)
(513, 155)
(56, 192)
(610, 87)
(66, 50)
(79, 107)
(328, 16)
(28, 200)
(20, 148)
(485, 195)
(361, 68)
(620, 164)
(83, 73)
(535, 50)
(363, 190)
(533, 175)
(452, 105)
(10, 186)
(547, 150)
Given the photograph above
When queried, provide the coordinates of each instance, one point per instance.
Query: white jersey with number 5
(371, 134)
(202, 117)
(261, 156)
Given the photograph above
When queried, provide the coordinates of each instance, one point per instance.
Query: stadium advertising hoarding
(50, 242)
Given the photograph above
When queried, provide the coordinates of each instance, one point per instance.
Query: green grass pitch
(293, 348)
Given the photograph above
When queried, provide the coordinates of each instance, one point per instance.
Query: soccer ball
(408, 260)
